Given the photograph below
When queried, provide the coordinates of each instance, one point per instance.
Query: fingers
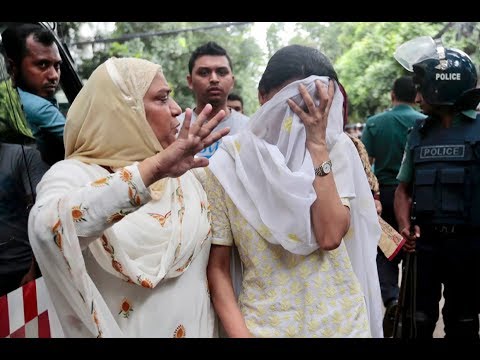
(416, 229)
(215, 136)
(202, 126)
(331, 94)
(185, 129)
(213, 122)
(307, 98)
(200, 162)
(325, 95)
(203, 116)
(295, 108)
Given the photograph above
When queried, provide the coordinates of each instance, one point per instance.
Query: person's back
(34, 62)
(211, 80)
(385, 134)
(20, 171)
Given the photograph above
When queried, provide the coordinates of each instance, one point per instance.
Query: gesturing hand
(179, 157)
(315, 119)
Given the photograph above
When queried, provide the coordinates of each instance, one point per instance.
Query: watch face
(326, 168)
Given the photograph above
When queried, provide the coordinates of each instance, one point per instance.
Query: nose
(174, 108)
(418, 97)
(53, 74)
(214, 77)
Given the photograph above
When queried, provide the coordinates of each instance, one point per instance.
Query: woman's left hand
(316, 118)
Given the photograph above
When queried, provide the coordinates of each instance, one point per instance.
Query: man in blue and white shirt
(211, 80)
(34, 63)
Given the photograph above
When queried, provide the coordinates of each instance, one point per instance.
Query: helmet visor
(416, 50)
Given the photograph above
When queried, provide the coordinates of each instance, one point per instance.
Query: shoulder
(238, 117)
(372, 120)
(37, 106)
(74, 171)
(29, 99)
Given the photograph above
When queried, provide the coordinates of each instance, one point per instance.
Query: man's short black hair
(14, 40)
(233, 97)
(211, 48)
(404, 89)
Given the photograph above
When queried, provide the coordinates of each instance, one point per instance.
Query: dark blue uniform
(446, 194)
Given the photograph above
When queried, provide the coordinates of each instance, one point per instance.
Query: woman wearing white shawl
(121, 228)
(300, 278)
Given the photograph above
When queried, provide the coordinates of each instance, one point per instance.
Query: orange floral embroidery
(133, 194)
(100, 182)
(126, 175)
(161, 218)
(106, 245)
(56, 226)
(203, 207)
(184, 267)
(144, 282)
(57, 236)
(117, 266)
(77, 213)
(125, 308)
(116, 217)
(179, 332)
(95, 318)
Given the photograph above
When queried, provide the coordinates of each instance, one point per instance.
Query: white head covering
(268, 173)
(271, 178)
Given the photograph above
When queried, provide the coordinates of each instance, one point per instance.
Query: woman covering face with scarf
(121, 228)
(307, 243)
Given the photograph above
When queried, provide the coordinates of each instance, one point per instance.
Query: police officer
(440, 182)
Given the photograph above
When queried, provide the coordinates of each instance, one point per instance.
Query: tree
(362, 54)
(173, 51)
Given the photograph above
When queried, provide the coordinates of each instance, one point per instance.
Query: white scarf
(268, 173)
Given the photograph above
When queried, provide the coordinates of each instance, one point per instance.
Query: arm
(330, 218)
(221, 290)
(403, 200)
(97, 205)
(402, 205)
(51, 120)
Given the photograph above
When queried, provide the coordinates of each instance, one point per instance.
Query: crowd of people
(207, 223)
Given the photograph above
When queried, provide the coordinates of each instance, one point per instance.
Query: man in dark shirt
(21, 169)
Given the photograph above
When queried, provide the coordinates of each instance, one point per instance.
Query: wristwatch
(324, 169)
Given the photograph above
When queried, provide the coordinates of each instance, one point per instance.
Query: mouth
(214, 91)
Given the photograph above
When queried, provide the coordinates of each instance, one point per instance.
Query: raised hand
(315, 119)
(179, 157)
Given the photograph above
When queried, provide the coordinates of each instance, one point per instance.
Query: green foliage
(172, 51)
(362, 53)
(13, 124)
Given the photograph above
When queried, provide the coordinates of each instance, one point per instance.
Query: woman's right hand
(179, 157)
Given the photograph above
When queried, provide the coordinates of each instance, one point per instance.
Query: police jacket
(446, 186)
